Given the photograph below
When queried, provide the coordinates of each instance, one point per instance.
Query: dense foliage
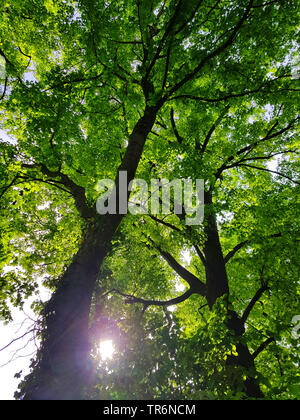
(185, 89)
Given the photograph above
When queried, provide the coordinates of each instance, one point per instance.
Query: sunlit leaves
(78, 76)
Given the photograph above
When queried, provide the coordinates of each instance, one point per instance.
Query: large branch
(131, 299)
(195, 284)
(75, 190)
(235, 250)
(186, 275)
(171, 226)
(200, 254)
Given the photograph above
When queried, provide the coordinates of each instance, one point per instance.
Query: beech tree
(167, 90)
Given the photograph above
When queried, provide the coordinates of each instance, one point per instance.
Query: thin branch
(17, 339)
(242, 244)
(268, 136)
(265, 157)
(262, 347)
(212, 129)
(253, 301)
(235, 250)
(11, 65)
(271, 171)
(6, 58)
(247, 149)
(161, 123)
(178, 136)
(145, 51)
(166, 67)
(25, 55)
(154, 133)
(169, 225)
(210, 11)
(266, 4)
(4, 90)
(190, 18)
(213, 54)
(162, 10)
(136, 42)
(6, 188)
(76, 80)
(19, 357)
(200, 255)
(53, 183)
(134, 80)
(166, 34)
(279, 364)
(229, 96)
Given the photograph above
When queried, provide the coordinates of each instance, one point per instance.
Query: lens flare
(106, 349)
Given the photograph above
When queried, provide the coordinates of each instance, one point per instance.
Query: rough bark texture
(217, 286)
(64, 354)
(63, 369)
(216, 276)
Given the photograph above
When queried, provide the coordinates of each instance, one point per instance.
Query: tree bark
(63, 368)
(217, 286)
(216, 276)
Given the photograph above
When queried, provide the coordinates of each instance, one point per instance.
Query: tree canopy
(168, 90)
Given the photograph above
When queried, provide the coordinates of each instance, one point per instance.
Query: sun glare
(106, 349)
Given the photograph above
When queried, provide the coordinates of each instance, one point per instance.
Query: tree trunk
(63, 368)
(216, 276)
(217, 286)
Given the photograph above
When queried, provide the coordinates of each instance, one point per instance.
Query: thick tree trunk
(217, 286)
(216, 276)
(63, 369)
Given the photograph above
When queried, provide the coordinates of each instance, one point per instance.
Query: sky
(11, 363)
(17, 356)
